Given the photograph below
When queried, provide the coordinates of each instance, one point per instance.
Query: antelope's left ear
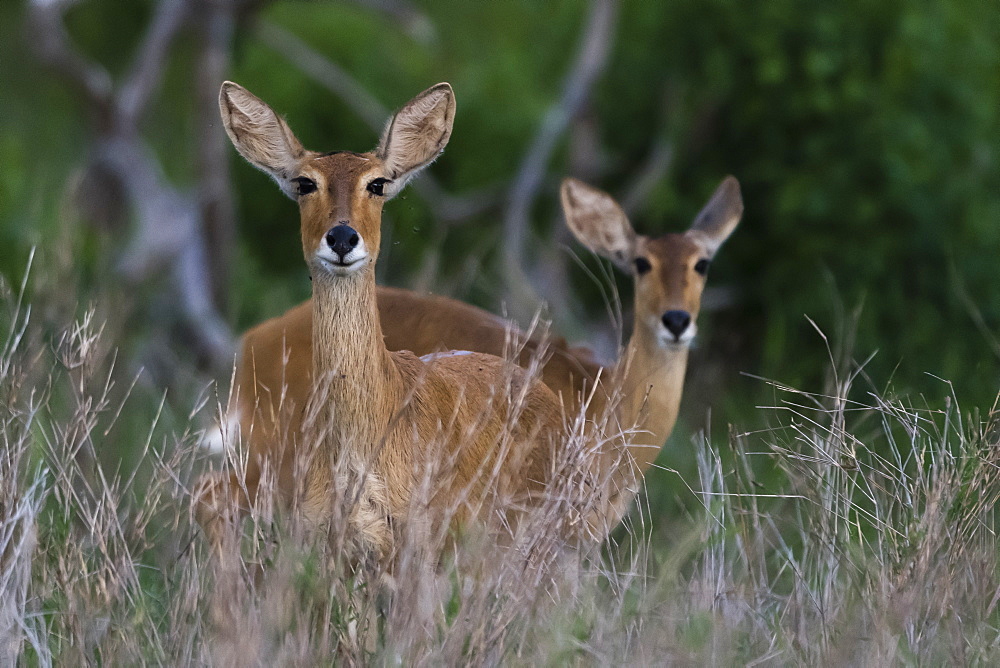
(721, 215)
(416, 135)
(595, 218)
(260, 135)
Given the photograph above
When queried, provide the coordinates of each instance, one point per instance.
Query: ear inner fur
(418, 133)
(719, 217)
(598, 222)
(260, 135)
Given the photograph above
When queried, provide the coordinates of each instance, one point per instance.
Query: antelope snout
(678, 323)
(342, 239)
(343, 250)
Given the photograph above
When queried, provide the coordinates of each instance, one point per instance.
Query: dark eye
(642, 265)
(304, 186)
(701, 266)
(377, 186)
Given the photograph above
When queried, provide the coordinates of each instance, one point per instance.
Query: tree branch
(659, 160)
(48, 36)
(167, 238)
(590, 61)
(215, 198)
(649, 174)
(148, 65)
(167, 234)
(411, 20)
(326, 73)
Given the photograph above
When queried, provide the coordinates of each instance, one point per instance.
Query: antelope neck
(354, 372)
(652, 379)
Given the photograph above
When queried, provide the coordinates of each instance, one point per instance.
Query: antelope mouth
(342, 267)
(671, 340)
(343, 261)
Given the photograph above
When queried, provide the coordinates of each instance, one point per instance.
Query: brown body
(473, 423)
(639, 395)
(273, 378)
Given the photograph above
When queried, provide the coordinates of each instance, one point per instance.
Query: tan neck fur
(651, 378)
(356, 376)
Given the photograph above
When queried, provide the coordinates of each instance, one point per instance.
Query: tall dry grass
(877, 546)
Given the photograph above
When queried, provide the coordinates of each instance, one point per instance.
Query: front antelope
(486, 429)
(273, 383)
(669, 272)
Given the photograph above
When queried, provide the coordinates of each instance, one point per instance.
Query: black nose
(676, 322)
(342, 239)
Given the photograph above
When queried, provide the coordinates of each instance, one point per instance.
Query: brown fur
(648, 379)
(649, 376)
(388, 418)
(274, 371)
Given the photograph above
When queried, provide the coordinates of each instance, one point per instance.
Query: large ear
(416, 135)
(598, 222)
(260, 135)
(721, 215)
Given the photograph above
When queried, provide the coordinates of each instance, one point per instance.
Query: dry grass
(877, 546)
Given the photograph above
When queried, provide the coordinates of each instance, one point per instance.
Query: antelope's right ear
(416, 135)
(598, 222)
(717, 220)
(260, 135)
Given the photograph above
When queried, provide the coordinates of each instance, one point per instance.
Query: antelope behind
(670, 271)
(388, 419)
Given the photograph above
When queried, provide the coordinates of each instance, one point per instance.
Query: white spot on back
(447, 353)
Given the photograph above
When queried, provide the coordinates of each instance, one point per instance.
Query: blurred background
(865, 135)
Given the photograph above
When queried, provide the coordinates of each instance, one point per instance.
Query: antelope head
(670, 270)
(340, 194)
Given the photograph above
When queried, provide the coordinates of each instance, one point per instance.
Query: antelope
(273, 378)
(386, 416)
(669, 273)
